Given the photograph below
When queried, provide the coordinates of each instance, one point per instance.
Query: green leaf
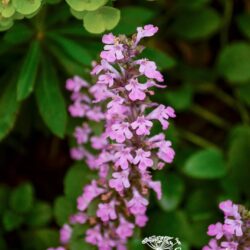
(206, 164)
(3, 245)
(11, 220)
(28, 72)
(129, 23)
(163, 60)
(51, 102)
(39, 239)
(181, 99)
(26, 7)
(192, 3)
(75, 179)
(8, 109)
(105, 18)
(22, 198)
(63, 208)
(80, 244)
(172, 191)
(196, 24)
(174, 224)
(90, 5)
(20, 33)
(234, 62)
(7, 10)
(4, 195)
(72, 49)
(243, 22)
(40, 215)
(243, 92)
(238, 158)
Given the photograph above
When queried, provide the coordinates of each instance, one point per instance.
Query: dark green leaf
(72, 49)
(172, 191)
(4, 195)
(163, 60)
(206, 164)
(243, 92)
(40, 215)
(196, 24)
(22, 198)
(12, 221)
(8, 109)
(243, 22)
(51, 102)
(28, 72)
(234, 62)
(75, 179)
(63, 208)
(129, 23)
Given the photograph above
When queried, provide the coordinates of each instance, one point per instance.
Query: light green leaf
(162, 59)
(234, 62)
(26, 7)
(8, 109)
(51, 102)
(172, 191)
(40, 215)
(12, 221)
(243, 22)
(206, 164)
(196, 24)
(105, 18)
(63, 208)
(72, 49)
(129, 23)
(90, 5)
(28, 72)
(22, 198)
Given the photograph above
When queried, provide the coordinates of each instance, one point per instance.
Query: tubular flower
(126, 152)
(234, 233)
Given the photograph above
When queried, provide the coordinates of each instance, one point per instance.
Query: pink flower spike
(82, 133)
(125, 229)
(141, 220)
(76, 84)
(137, 204)
(93, 235)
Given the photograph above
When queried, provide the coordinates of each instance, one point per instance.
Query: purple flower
(229, 208)
(141, 220)
(93, 235)
(162, 114)
(137, 205)
(82, 133)
(125, 229)
(65, 233)
(121, 132)
(106, 211)
(76, 84)
(234, 226)
(123, 158)
(136, 90)
(146, 31)
(120, 180)
(142, 158)
(142, 126)
(216, 230)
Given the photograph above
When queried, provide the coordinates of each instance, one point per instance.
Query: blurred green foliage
(204, 51)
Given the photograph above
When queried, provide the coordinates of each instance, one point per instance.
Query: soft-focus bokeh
(203, 50)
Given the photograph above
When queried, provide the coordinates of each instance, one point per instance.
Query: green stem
(195, 139)
(209, 116)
